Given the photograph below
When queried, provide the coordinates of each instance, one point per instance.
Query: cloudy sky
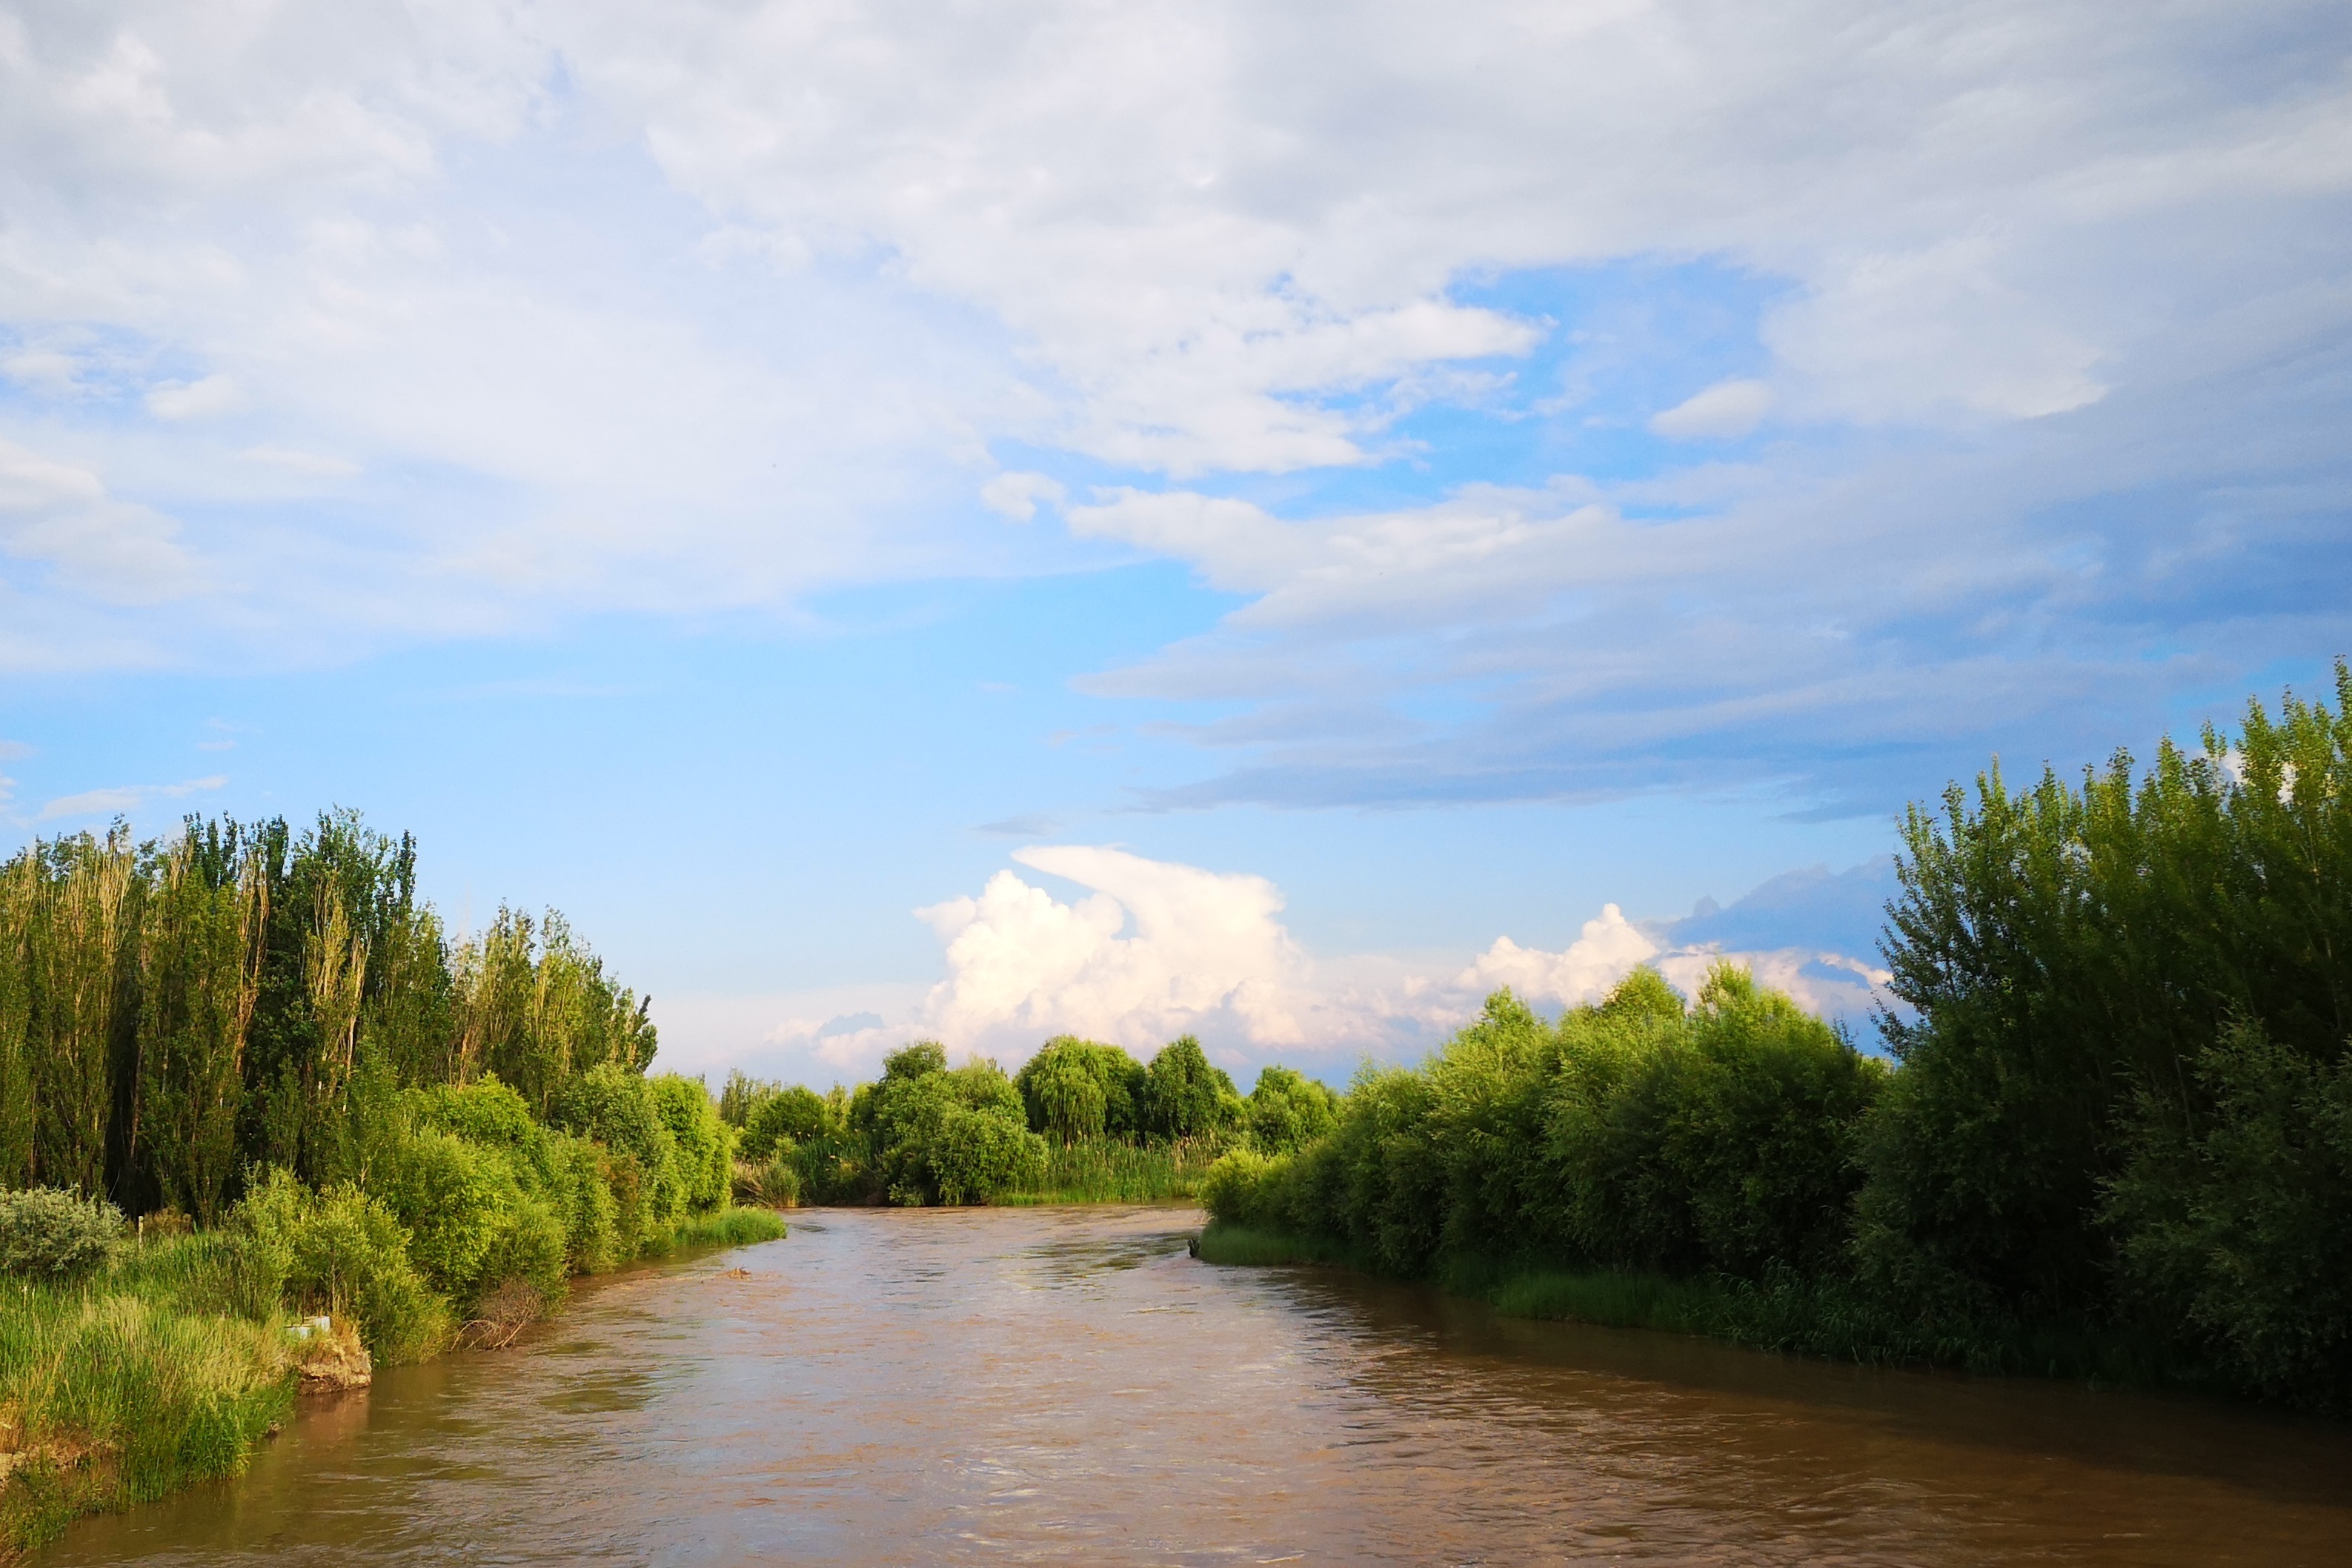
(1262, 519)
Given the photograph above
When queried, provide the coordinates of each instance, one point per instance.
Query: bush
(1073, 1089)
(471, 1223)
(771, 1183)
(1184, 1096)
(941, 1136)
(52, 1233)
(2235, 1229)
(1289, 1110)
(341, 1252)
(617, 1107)
(975, 1155)
(1631, 1135)
(705, 1145)
(793, 1115)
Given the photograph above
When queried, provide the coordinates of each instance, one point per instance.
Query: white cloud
(1017, 495)
(1158, 949)
(43, 370)
(1154, 949)
(1728, 408)
(712, 305)
(123, 799)
(293, 461)
(1608, 950)
(60, 514)
(1206, 955)
(195, 399)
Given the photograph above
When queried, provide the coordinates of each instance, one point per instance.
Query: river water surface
(967, 1386)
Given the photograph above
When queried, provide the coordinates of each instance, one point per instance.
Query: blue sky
(1249, 519)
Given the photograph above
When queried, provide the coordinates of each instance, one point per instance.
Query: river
(978, 1385)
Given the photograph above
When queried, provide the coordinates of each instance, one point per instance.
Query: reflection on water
(892, 1386)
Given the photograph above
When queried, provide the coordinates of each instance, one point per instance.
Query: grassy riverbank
(170, 1365)
(1817, 1319)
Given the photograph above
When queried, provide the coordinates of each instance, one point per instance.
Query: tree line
(2112, 1127)
(925, 1133)
(176, 1013)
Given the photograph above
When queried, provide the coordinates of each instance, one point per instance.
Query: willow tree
(200, 953)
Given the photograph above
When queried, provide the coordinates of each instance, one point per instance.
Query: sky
(1266, 520)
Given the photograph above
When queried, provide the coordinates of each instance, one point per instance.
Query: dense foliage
(2120, 1113)
(1632, 1134)
(1081, 1121)
(249, 1013)
(265, 1046)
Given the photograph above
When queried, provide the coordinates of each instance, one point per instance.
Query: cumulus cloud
(1153, 949)
(1205, 953)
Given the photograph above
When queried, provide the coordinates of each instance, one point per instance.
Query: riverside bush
(49, 1233)
(342, 1252)
(2116, 1138)
(1185, 1096)
(942, 1135)
(793, 1114)
(1073, 1089)
(1631, 1135)
(1287, 1110)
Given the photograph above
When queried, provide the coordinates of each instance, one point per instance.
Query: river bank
(1796, 1317)
(990, 1385)
(173, 1364)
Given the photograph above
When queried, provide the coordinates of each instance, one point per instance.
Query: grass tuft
(728, 1227)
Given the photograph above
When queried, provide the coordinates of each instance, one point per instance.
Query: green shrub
(51, 1234)
(941, 1136)
(459, 1201)
(771, 1183)
(1289, 1110)
(2235, 1229)
(976, 1154)
(341, 1252)
(1631, 1135)
(1184, 1096)
(617, 1107)
(705, 1145)
(793, 1115)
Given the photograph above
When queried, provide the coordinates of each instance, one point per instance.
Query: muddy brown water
(1067, 1385)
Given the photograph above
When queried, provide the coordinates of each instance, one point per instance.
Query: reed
(1112, 1171)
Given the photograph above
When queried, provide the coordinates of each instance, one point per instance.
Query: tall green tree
(77, 951)
(199, 978)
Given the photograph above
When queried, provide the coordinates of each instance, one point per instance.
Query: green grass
(728, 1227)
(166, 1368)
(154, 1373)
(1243, 1245)
(1108, 1171)
(1798, 1316)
